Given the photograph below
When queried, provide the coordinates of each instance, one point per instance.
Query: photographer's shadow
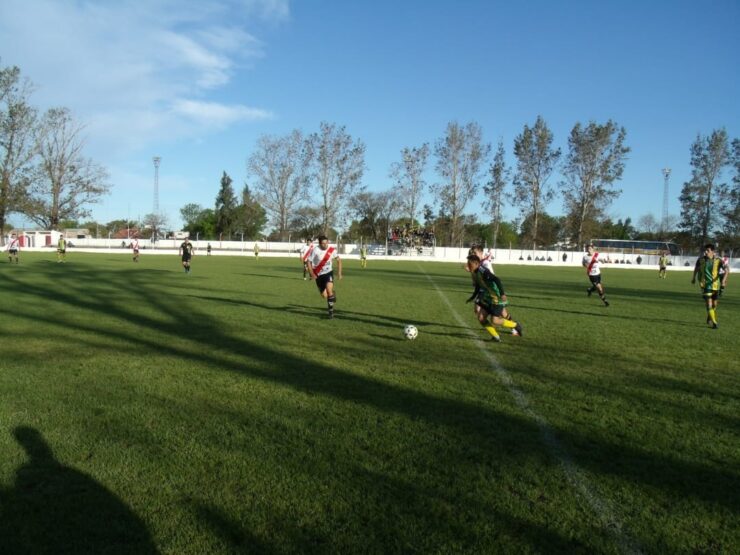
(52, 508)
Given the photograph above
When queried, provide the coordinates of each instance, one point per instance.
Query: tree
(18, 140)
(550, 229)
(281, 166)
(155, 226)
(251, 217)
(408, 175)
(306, 222)
(496, 187)
(595, 160)
(460, 154)
(731, 212)
(704, 199)
(376, 212)
(64, 181)
(536, 160)
(225, 206)
(338, 163)
(648, 224)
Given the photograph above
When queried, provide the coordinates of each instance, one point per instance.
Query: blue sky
(197, 82)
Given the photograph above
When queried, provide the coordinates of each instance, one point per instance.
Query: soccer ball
(410, 332)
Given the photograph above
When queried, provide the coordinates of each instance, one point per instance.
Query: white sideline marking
(573, 473)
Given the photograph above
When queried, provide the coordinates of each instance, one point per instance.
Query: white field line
(574, 475)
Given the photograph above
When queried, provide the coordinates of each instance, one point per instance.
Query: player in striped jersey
(305, 253)
(712, 274)
(135, 248)
(320, 265)
(593, 271)
(14, 247)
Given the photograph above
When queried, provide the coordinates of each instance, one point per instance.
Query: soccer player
(591, 263)
(305, 253)
(725, 272)
(14, 246)
(256, 251)
(186, 253)
(488, 295)
(486, 262)
(61, 249)
(363, 256)
(320, 267)
(208, 249)
(662, 264)
(135, 248)
(712, 274)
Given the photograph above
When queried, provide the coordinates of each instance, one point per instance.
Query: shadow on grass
(501, 436)
(53, 508)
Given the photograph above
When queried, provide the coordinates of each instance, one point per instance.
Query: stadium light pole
(666, 176)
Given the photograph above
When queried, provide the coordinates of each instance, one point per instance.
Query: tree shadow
(53, 508)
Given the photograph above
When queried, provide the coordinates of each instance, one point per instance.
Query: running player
(712, 278)
(135, 248)
(486, 261)
(186, 253)
(320, 268)
(14, 247)
(305, 253)
(487, 295)
(591, 263)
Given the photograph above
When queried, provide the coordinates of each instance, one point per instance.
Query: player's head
(709, 249)
(323, 241)
(475, 249)
(473, 262)
(590, 247)
(309, 241)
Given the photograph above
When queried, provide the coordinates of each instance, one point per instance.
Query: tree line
(302, 185)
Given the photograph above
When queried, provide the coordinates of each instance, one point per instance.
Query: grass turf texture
(145, 410)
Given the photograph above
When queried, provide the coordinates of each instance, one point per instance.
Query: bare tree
(460, 154)
(704, 198)
(495, 188)
(595, 160)
(338, 163)
(648, 224)
(409, 177)
(155, 226)
(64, 181)
(18, 141)
(536, 160)
(280, 165)
(376, 212)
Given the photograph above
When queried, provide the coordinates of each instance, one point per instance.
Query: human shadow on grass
(471, 420)
(53, 508)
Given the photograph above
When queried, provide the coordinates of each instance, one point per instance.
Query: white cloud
(137, 71)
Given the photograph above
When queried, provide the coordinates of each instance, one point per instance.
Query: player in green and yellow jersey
(662, 264)
(363, 256)
(712, 274)
(61, 249)
(489, 295)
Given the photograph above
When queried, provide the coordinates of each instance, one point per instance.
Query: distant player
(256, 251)
(14, 247)
(712, 274)
(61, 249)
(591, 263)
(363, 256)
(305, 253)
(320, 267)
(208, 249)
(135, 248)
(488, 295)
(186, 253)
(662, 264)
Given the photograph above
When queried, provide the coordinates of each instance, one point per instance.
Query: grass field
(144, 410)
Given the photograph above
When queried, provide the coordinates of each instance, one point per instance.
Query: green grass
(145, 410)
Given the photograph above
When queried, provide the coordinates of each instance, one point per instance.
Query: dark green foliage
(225, 211)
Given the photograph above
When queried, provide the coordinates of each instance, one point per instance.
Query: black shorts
(13, 252)
(595, 279)
(493, 309)
(711, 294)
(323, 280)
(186, 258)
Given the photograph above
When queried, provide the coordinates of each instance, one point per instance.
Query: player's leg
(483, 314)
(602, 294)
(515, 327)
(712, 309)
(331, 298)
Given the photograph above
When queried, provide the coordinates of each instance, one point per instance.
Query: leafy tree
(704, 199)
(281, 168)
(375, 212)
(251, 217)
(595, 160)
(199, 221)
(731, 210)
(409, 177)
(225, 206)
(337, 166)
(460, 155)
(550, 232)
(495, 188)
(536, 160)
(190, 214)
(306, 222)
(18, 140)
(65, 182)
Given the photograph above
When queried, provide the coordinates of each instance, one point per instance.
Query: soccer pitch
(146, 410)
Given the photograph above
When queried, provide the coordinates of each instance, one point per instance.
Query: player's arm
(310, 268)
(339, 267)
(696, 270)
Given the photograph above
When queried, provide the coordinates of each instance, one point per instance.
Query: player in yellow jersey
(712, 274)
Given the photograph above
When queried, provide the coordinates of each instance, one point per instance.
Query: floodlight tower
(666, 177)
(156, 161)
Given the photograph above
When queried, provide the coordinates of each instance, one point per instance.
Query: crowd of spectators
(411, 237)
